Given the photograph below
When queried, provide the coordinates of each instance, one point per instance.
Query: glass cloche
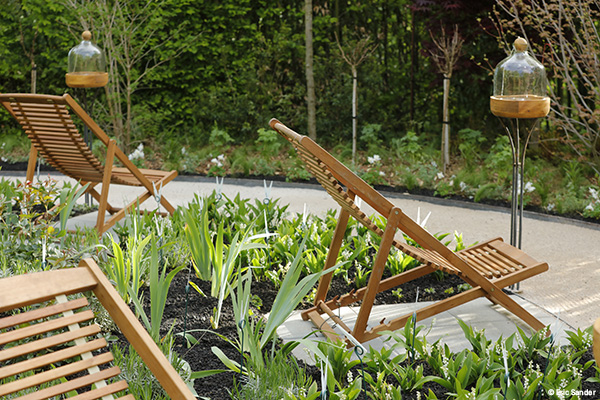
(520, 85)
(87, 65)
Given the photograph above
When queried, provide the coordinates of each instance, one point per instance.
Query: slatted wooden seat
(596, 339)
(487, 267)
(49, 345)
(47, 122)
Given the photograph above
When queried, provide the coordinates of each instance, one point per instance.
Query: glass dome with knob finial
(520, 85)
(87, 65)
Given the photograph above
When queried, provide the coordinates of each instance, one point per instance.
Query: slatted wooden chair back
(50, 345)
(48, 124)
(47, 121)
(487, 266)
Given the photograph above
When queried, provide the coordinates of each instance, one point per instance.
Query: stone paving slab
(481, 314)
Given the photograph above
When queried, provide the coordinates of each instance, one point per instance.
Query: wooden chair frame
(487, 267)
(596, 339)
(47, 122)
(49, 328)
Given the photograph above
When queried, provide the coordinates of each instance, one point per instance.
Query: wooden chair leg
(102, 202)
(334, 250)
(375, 278)
(33, 153)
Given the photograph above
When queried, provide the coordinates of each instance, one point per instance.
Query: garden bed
(200, 310)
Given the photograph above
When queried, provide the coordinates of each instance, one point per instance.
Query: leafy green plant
(340, 361)
(407, 146)
(199, 240)
(142, 383)
(280, 378)
(255, 334)
(128, 270)
(361, 277)
(470, 145)
(219, 137)
(399, 262)
(268, 142)
(159, 283)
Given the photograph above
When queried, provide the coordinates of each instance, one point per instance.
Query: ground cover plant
(219, 337)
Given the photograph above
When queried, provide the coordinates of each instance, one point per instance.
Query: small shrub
(219, 137)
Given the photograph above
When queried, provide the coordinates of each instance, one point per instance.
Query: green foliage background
(246, 65)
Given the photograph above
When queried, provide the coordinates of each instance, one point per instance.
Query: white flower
(381, 173)
(440, 175)
(374, 159)
(589, 207)
(529, 187)
(550, 207)
(182, 150)
(594, 194)
(137, 153)
(221, 157)
(4, 159)
(434, 164)
(463, 186)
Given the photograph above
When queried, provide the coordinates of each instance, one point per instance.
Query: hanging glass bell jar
(520, 85)
(87, 65)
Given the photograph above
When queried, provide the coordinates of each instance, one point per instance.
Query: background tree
(357, 53)
(130, 33)
(445, 58)
(564, 33)
(248, 65)
(311, 101)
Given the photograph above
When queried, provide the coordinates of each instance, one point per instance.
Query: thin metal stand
(518, 144)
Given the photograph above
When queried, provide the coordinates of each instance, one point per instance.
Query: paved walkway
(570, 289)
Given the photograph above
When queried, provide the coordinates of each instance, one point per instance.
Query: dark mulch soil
(200, 309)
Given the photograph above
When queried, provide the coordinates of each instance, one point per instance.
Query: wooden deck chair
(47, 121)
(487, 267)
(596, 335)
(50, 347)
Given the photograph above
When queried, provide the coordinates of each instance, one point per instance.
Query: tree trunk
(446, 125)
(413, 56)
(311, 101)
(354, 111)
(33, 77)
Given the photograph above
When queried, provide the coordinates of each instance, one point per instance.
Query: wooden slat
(42, 312)
(494, 253)
(47, 123)
(50, 358)
(104, 391)
(72, 384)
(488, 263)
(55, 373)
(45, 327)
(46, 343)
(507, 262)
(44, 286)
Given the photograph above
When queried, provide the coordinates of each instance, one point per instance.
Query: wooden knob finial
(86, 35)
(520, 44)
